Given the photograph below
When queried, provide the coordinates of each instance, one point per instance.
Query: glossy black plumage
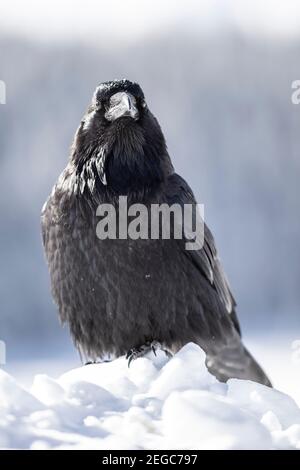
(118, 294)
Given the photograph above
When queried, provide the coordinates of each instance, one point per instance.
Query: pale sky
(128, 19)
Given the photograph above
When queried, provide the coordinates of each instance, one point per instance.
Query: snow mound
(157, 403)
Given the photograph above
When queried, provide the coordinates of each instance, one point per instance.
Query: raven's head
(119, 143)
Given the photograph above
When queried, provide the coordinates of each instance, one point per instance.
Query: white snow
(157, 403)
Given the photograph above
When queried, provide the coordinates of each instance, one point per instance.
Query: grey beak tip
(122, 104)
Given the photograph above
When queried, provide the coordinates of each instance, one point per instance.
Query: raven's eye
(144, 104)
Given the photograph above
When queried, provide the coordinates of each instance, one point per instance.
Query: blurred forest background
(224, 103)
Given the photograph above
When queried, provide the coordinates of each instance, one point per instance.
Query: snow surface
(157, 403)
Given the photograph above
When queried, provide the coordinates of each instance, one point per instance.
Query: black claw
(94, 362)
(129, 361)
(128, 354)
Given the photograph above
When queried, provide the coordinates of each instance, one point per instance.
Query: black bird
(124, 296)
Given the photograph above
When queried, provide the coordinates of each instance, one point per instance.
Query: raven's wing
(228, 358)
(206, 259)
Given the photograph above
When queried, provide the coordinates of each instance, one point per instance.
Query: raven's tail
(233, 360)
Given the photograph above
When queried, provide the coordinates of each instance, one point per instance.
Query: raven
(128, 296)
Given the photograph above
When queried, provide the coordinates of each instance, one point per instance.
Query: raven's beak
(122, 104)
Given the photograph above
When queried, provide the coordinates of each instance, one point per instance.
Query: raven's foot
(141, 351)
(91, 362)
